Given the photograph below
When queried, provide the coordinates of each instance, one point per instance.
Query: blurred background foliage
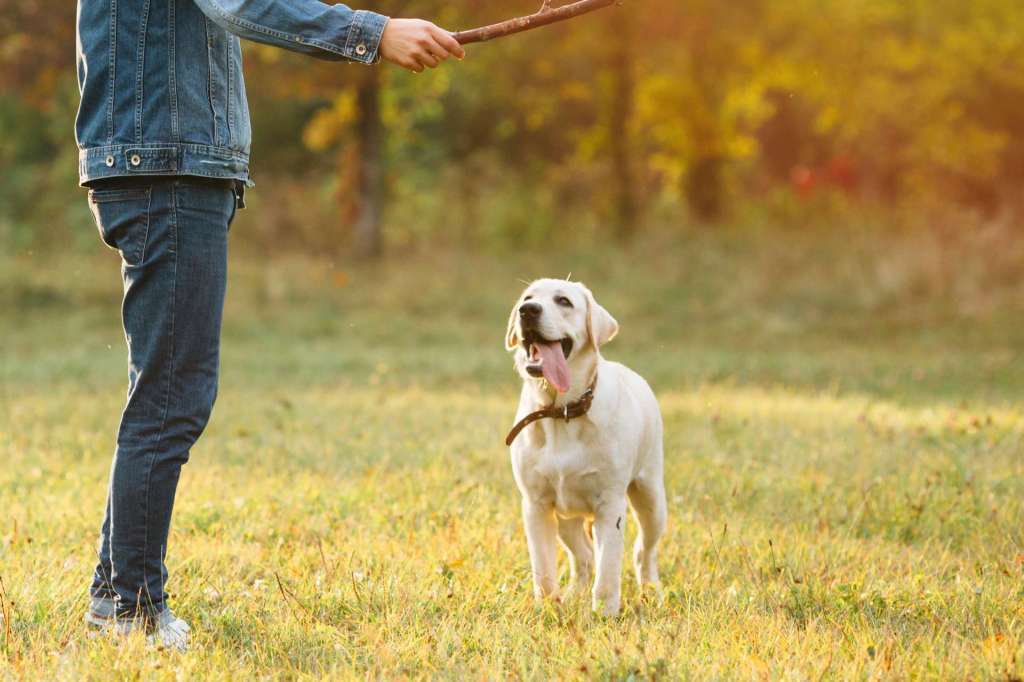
(654, 116)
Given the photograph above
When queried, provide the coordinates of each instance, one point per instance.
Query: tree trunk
(370, 186)
(705, 187)
(704, 183)
(621, 111)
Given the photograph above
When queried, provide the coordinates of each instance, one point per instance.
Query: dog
(588, 437)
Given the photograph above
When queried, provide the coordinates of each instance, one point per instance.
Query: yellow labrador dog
(588, 436)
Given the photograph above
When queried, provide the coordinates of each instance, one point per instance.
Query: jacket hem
(162, 158)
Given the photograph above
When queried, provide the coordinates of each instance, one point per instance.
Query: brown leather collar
(568, 411)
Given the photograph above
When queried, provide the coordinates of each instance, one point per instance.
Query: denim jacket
(161, 80)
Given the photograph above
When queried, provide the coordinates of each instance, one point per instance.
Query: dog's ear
(601, 326)
(511, 337)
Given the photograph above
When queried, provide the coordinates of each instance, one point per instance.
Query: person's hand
(415, 44)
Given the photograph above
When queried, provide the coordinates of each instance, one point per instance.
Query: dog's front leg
(541, 530)
(609, 529)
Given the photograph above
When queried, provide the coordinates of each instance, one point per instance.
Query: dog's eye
(527, 298)
(563, 301)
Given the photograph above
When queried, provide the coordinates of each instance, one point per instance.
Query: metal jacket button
(136, 160)
(360, 49)
(110, 161)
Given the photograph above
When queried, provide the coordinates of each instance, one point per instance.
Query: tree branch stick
(545, 16)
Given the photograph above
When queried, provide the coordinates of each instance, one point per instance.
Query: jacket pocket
(122, 216)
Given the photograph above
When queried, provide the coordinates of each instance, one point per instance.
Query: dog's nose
(530, 311)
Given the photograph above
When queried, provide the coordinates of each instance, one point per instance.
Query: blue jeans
(172, 235)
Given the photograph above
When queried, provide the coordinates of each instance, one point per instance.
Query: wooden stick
(546, 15)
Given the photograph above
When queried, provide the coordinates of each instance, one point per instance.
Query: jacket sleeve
(332, 32)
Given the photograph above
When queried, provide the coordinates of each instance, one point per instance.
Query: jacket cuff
(363, 41)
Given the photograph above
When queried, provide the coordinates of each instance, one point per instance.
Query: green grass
(845, 467)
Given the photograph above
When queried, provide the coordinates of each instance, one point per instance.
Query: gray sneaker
(101, 613)
(165, 630)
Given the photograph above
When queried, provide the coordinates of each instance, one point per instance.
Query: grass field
(845, 467)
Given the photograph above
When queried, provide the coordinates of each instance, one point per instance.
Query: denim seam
(172, 75)
(145, 237)
(106, 578)
(112, 58)
(167, 393)
(375, 38)
(140, 70)
(219, 151)
(229, 117)
(209, 82)
(353, 31)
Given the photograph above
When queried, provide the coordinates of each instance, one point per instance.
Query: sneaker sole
(98, 622)
(98, 625)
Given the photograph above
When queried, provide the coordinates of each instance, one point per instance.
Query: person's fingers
(410, 64)
(417, 45)
(439, 51)
(425, 49)
(448, 42)
(425, 57)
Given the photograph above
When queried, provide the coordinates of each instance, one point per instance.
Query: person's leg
(101, 588)
(172, 235)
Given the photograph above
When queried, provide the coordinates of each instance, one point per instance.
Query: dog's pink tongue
(553, 364)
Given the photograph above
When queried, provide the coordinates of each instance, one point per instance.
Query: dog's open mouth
(548, 359)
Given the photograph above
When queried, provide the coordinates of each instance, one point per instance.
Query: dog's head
(554, 323)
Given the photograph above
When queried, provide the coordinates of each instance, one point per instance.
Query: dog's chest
(568, 479)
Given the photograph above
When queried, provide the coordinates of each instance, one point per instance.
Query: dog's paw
(651, 593)
(540, 596)
(608, 608)
(650, 596)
